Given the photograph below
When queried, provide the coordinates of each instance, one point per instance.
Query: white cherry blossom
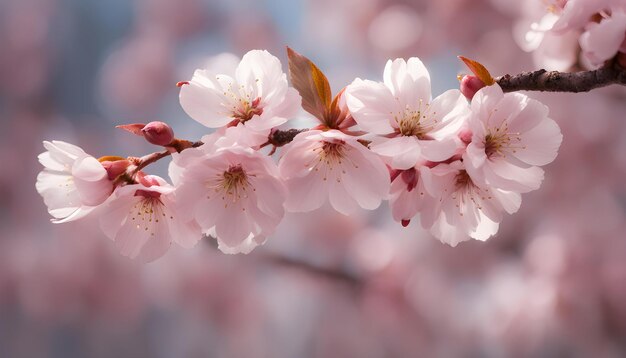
(72, 182)
(256, 95)
(462, 208)
(143, 220)
(330, 165)
(233, 192)
(512, 136)
(410, 125)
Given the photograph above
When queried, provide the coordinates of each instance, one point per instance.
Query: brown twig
(554, 81)
(329, 273)
(278, 138)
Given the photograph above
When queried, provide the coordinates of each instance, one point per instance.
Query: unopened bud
(470, 84)
(158, 133)
(115, 168)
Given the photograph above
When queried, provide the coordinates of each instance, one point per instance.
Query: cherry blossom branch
(277, 138)
(275, 259)
(336, 275)
(554, 81)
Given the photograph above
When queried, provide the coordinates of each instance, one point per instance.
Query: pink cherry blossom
(72, 182)
(463, 208)
(233, 192)
(408, 195)
(603, 40)
(319, 166)
(577, 14)
(143, 221)
(256, 95)
(535, 33)
(512, 136)
(401, 111)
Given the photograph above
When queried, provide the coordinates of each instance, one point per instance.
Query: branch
(555, 81)
(279, 138)
(332, 274)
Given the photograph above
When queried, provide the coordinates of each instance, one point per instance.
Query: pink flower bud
(158, 133)
(115, 168)
(470, 85)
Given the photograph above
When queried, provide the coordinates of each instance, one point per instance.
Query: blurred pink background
(552, 283)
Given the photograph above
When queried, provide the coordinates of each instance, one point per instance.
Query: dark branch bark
(278, 138)
(554, 81)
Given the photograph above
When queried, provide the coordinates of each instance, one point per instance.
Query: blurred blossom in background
(552, 283)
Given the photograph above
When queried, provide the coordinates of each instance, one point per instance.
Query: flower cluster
(459, 165)
(557, 31)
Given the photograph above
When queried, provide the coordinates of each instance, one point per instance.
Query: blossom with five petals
(254, 95)
(462, 207)
(411, 125)
(143, 220)
(319, 165)
(603, 40)
(512, 136)
(233, 192)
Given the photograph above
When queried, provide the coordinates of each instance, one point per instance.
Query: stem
(555, 81)
(333, 274)
(277, 138)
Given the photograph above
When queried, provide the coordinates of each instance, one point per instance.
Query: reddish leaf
(134, 128)
(312, 85)
(479, 70)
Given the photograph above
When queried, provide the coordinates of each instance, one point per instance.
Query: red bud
(158, 133)
(470, 84)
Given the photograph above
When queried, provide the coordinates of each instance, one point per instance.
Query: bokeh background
(552, 283)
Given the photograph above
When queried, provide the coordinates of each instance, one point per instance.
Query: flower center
(146, 213)
(462, 180)
(332, 152)
(246, 110)
(416, 123)
(234, 178)
(499, 140)
(239, 102)
(465, 189)
(555, 6)
(331, 155)
(233, 185)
